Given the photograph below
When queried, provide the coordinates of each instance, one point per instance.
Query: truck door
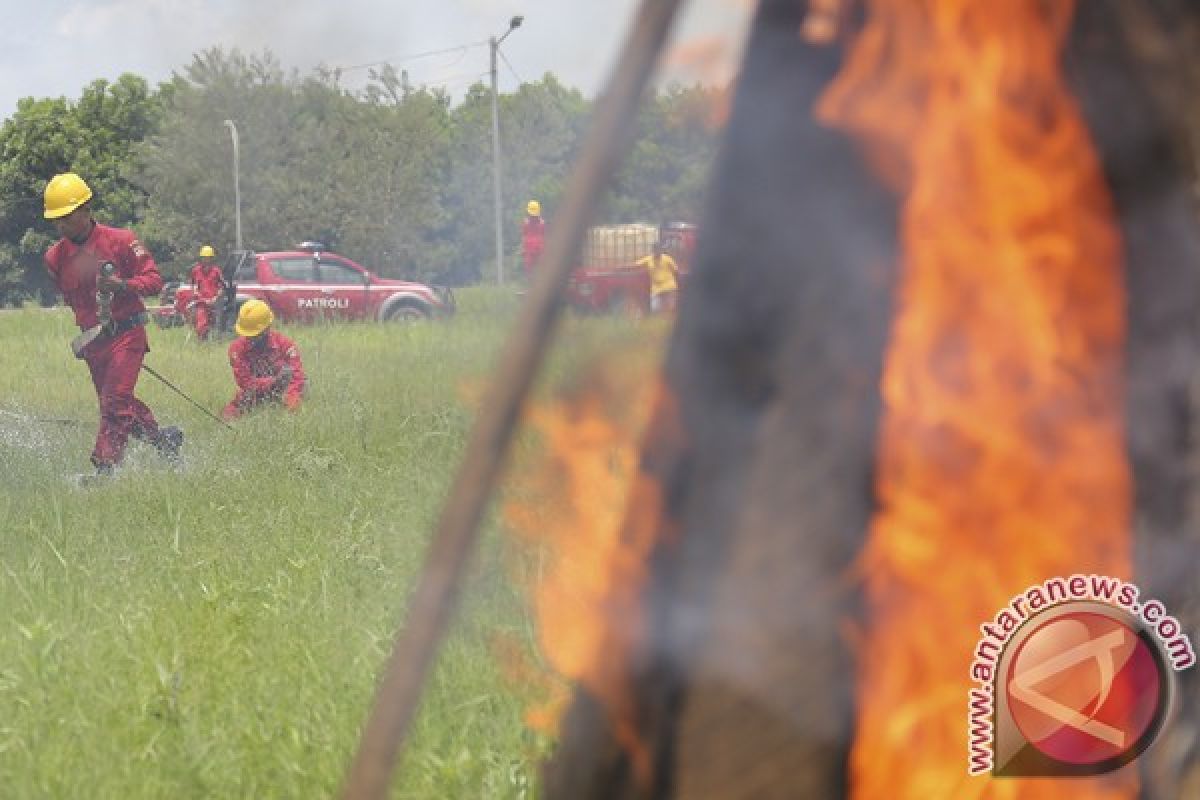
(344, 287)
(296, 294)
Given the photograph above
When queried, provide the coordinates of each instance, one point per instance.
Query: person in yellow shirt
(664, 279)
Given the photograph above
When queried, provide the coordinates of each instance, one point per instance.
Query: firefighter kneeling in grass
(266, 364)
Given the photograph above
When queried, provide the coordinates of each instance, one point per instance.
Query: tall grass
(216, 629)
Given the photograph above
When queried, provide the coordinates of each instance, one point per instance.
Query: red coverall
(209, 282)
(533, 239)
(258, 366)
(115, 362)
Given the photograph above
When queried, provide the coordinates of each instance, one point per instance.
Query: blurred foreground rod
(436, 595)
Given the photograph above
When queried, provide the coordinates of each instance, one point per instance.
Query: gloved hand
(285, 376)
(109, 283)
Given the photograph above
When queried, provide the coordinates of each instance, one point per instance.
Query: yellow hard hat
(64, 194)
(207, 251)
(534, 209)
(254, 317)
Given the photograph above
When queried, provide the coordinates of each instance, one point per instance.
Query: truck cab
(311, 284)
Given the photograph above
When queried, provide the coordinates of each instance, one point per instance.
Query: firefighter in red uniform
(266, 364)
(108, 309)
(533, 236)
(207, 282)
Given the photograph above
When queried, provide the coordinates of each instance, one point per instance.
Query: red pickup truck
(309, 284)
(609, 278)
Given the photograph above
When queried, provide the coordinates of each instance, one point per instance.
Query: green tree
(667, 170)
(393, 176)
(389, 177)
(93, 137)
(362, 173)
(187, 167)
(541, 126)
(467, 194)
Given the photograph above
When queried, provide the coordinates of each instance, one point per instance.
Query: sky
(54, 48)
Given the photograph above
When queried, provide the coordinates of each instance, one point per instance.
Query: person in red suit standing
(103, 273)
(207, 282)
(533, 236)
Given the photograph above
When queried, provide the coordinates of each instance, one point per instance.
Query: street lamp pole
(237, 192)
(494, 47)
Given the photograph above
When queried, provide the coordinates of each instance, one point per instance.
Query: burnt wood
(1134, 67)
(745, 686)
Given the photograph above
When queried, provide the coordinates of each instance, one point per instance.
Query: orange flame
(593, 516)
(1001, 460)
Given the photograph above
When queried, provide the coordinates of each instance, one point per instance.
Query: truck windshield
(245, 267)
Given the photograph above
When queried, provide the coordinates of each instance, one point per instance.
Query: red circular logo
(1086, 688)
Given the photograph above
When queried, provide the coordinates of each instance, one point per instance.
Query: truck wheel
(407, 312)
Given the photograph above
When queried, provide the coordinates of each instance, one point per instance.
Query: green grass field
(215, 630)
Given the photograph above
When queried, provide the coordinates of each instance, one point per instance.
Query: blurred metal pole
(494, 45)
(237, 191)
(436, 595)
(494, 48)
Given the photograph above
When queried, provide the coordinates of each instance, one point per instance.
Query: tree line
(395, 176)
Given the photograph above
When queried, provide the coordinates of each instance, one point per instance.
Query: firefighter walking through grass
(103, 273)
(207, 283)
(266, 364)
